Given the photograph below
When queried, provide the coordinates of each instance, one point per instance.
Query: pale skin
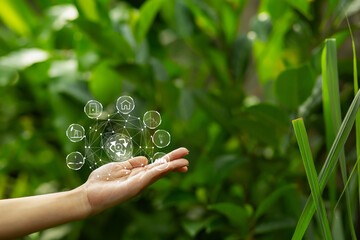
(107, 186)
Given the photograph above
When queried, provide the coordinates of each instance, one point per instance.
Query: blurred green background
(227, 76)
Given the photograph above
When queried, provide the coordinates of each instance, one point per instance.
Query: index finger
(176, 154)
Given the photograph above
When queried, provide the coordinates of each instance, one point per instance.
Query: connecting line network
(118, 136)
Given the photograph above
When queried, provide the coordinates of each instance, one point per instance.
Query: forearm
(21, 216)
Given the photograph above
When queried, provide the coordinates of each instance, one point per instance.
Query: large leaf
(310, 170)
(294, 86)
(236, 214)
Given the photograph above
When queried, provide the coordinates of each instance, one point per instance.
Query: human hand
(118, 182)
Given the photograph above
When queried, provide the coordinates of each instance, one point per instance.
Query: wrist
(84, 208)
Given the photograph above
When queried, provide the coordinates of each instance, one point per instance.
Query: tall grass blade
(331, 105)
(356, 88)
(329, 165)
(305, 151)
(332, 115)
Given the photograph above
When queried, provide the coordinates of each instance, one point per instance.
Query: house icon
(125, 105)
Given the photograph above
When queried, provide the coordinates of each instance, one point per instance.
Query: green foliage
(227, 77)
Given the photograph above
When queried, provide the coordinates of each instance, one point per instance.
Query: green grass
(335, 152)
(311, 174)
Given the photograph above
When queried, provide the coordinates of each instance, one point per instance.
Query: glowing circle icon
(93, 109)
(152, 119)
(125, 104)
(75, 132)
(75, 160)
(161, 138)
(119, 147)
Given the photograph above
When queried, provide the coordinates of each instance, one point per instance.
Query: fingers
(182, 169)
(157, 171)
(178, 153)
(138, 162)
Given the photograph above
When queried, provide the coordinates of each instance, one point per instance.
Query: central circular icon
(119, 147)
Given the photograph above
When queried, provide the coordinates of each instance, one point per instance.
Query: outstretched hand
(117, 182)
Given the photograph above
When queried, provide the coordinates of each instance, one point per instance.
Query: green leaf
(311, 174)
(241, 52)
(193, 227)
(329, 165)
(357, 121)
(294, 86)
(229, 20)
(204, 17)
(269, 201)
(303, 6)
(236, 214)
(147, 15)
(332, 111)
(112, 43)
(18, 16)
(183, 19)
(89, 9)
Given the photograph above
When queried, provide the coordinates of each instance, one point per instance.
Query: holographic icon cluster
(118, 136)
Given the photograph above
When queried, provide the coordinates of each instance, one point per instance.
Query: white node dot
(108, 115)
(100, 134)
(146, 147)
(100, 160)
(125, 120)
(129, 115)
(108, 119)
(95, 163)
(97, 118)
(90, 127)
(109, 174)
(124, 126)
(107, 178)
(112, 131)
(124, 167)
(95, 130)
(97, 176)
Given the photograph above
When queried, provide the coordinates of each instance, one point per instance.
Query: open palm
(117, 182)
